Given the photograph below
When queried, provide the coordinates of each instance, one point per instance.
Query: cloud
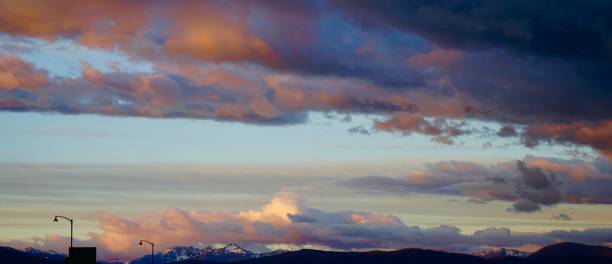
(475, 201)
(147, 94)
(359, 130)
(562, 217)
(217, 32)
(529, 184)
(16, 73)
(287, 220)
(405, 123)
(199, 32)
(435, 58)
(559, 79)
(520, 26)
(597, 135)
(537, 187)
(235, 62)
(507, 131)
(228, 93)
(524, 206)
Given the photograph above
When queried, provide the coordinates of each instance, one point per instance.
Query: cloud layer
(245, 62)
(529, 183)
(287, 220)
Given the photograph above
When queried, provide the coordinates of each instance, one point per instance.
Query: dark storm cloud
(558, 32)
(529, 184)
(525, 61)
(561, 29)
(536, 187)
(524, 206)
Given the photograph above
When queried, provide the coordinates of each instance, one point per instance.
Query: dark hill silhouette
(568, 249)
(562, 253)
(308, 256)
(565, 253)
(11, 255)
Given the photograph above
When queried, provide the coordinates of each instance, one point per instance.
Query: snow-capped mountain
(491, 253)
(227, 253)
(42, 254)
(171, 255)
(234, 249)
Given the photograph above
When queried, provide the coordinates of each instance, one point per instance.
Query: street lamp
(152, 247)
(71, 225)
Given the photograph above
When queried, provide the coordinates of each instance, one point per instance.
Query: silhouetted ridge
(563, 253)
(309, 256)
(11, 255)
(568, 249)
(228, 253)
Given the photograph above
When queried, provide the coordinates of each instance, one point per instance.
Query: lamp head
(55, 219)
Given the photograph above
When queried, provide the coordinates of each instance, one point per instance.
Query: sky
(339, 125)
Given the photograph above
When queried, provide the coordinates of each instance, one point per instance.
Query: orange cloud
(92, 74)
(436, 58)
(202, 31)
(284, 220)
(406, 123)
(16, 73)
(596, 135)
(218, 42)
(177, 227)
(198, 30)
(95, 23)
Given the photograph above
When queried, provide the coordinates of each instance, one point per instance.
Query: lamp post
(71, 225)
(152, 247)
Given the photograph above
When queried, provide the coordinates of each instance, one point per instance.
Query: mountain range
(500, 253)
(11, 255)
(563, 253)
(45, 255)
(227, 253)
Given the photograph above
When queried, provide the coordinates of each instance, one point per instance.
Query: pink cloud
(441, 130)
(598, 135)
(287, 220)
(436, 58)
(17, 73)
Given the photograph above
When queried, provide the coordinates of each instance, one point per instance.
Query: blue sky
(86, 139)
